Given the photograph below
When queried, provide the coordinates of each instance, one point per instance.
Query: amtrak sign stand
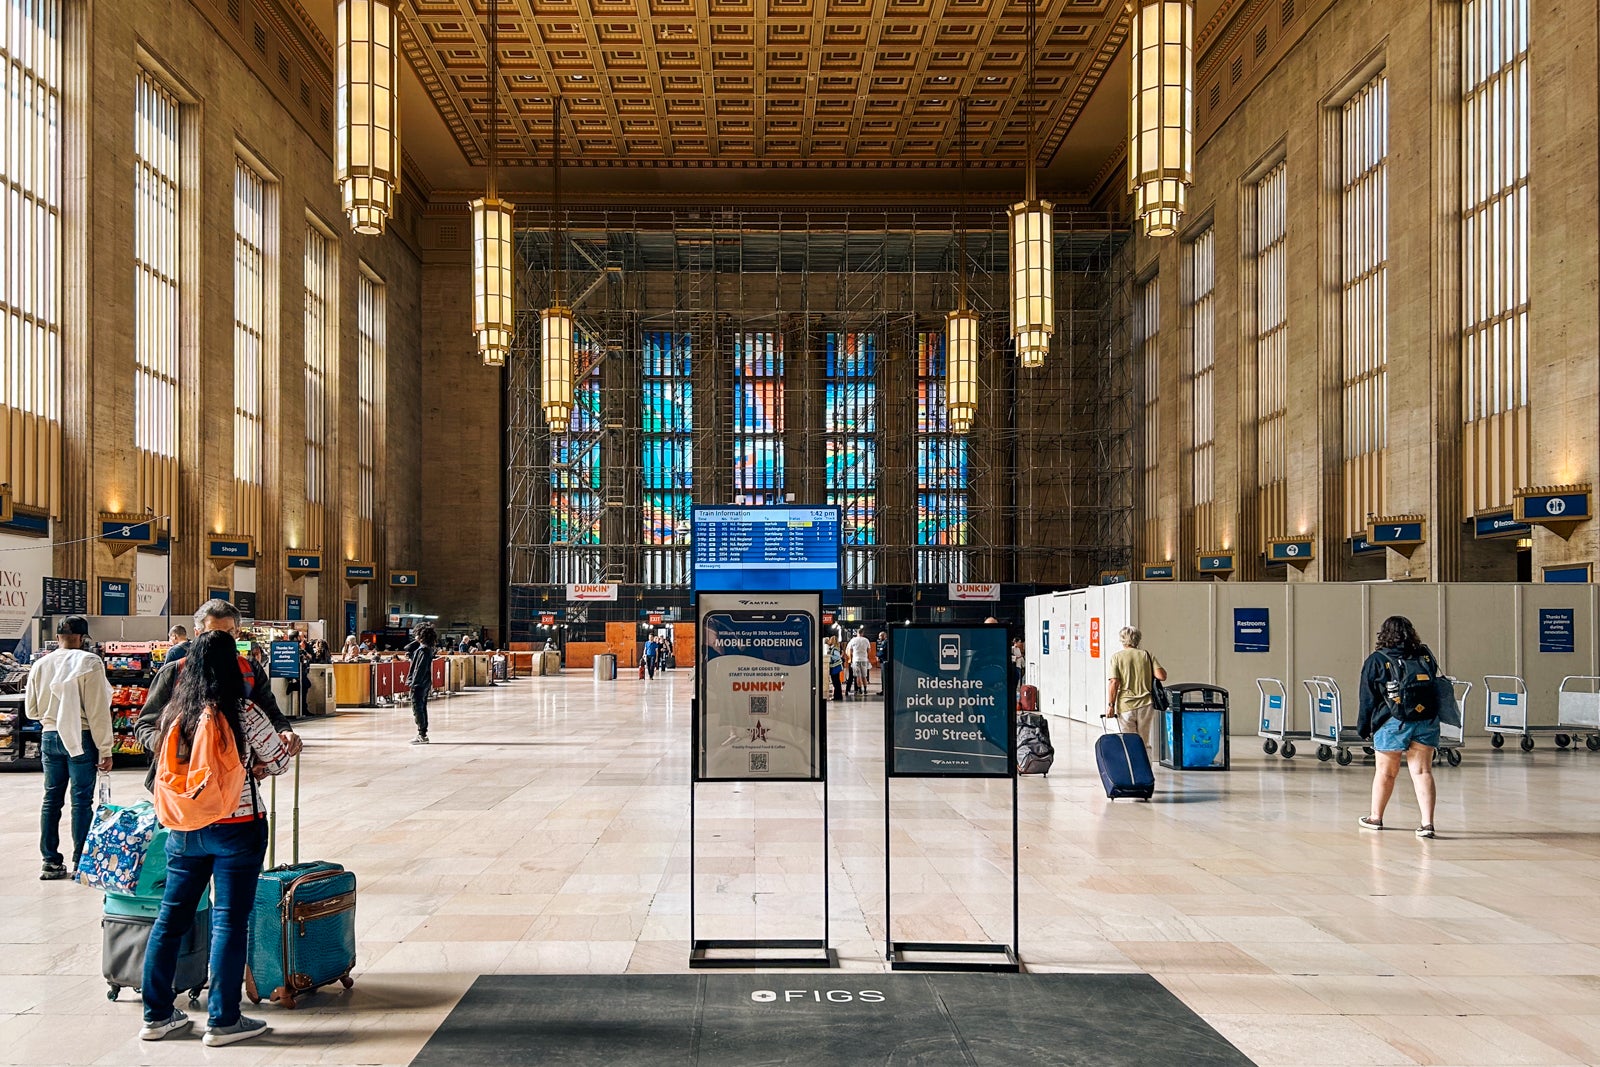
(758, 717)
(949, 701)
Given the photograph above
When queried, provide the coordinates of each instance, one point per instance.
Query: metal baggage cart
(1274, 718)
(1505, 710)
(1328, 729)
(1452, 739)
(1578, 711)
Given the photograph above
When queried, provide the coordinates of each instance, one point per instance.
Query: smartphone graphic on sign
(949, 652)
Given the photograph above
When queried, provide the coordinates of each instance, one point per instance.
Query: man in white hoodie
(68, 693)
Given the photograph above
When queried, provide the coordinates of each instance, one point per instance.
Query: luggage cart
(1452, 739)
(1334, 739)
(1578, 711)
(1505, 710)
(1275, 707)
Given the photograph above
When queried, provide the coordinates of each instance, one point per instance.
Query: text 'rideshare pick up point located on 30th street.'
(950, 702)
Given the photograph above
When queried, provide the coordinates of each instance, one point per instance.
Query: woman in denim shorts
(1393, 739)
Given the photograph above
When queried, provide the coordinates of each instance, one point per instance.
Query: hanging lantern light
(555, 323)
(555, 367)
(367, 153)
(492, 255)
(1033, 301)
(961, 325)
(1161, 113)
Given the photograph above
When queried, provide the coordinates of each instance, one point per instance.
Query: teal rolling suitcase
(303, 926)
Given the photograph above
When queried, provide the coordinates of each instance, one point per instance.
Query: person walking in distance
(70, 697)
(651, 649)
(835, 666)
(420, 679)
(1128, 697)
(860, 654)
(1400, 715)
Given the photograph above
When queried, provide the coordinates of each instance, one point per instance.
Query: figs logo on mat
(821, 996)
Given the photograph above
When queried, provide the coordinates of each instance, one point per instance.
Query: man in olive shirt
(1128, 693)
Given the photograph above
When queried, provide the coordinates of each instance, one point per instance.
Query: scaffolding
(1049, 494)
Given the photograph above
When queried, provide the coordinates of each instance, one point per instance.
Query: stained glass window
(942, 473)
(667, 411)
(851, 426)
(758, 417)
(575, 478)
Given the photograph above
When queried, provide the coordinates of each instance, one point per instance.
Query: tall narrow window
(1494, 250)
(30, 232)
(1272, 350)
(156, 341)
(372, 341)
(942, 526)
(758, 417)
(249, 342)
(1363, 263)
(668, 460)
(851, 427)
(1199, 279)
(321, 270)
(576, 474)
(1155, 548)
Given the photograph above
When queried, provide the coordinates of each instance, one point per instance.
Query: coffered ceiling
(823, 98)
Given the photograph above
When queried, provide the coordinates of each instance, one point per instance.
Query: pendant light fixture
(1161, 113)
(1033, 303)
(961, 325)
(367, 152)
(492, 255)
(555, 322)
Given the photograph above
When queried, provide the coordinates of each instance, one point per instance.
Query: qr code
(758, 705)
(758, 761)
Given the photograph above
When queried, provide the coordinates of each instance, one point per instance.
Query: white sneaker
(177, 1022)
(243, 1030)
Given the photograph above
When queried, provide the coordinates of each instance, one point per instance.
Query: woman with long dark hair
(1398, 733)
(226, 853)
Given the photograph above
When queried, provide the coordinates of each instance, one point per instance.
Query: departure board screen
(766, 550)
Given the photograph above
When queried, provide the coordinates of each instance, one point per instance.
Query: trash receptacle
(1196, 733)
(605, 667)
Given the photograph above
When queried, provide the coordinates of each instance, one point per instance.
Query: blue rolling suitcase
(303, 926)
(1125, 768)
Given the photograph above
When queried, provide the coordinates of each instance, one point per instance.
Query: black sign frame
(992, 957)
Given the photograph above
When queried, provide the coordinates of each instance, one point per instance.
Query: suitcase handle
(272, 818)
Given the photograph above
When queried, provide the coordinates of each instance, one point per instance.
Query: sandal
(1425, 831)
(1367, 822)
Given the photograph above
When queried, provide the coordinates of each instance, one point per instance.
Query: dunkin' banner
(974, 591)
(578, 593)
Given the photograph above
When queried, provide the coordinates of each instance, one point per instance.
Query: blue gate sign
(1251, 632)
(113, 597)
(1556, 630)
(1044, 636)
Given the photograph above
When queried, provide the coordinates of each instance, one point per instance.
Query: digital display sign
(766, 549)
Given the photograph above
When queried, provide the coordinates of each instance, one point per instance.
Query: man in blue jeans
(69, 695)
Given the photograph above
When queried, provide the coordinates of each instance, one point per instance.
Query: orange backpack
(195, 792)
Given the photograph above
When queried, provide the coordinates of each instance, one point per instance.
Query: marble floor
(545, 831)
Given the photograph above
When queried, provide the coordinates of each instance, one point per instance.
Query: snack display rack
(130, 667)
(19, 735)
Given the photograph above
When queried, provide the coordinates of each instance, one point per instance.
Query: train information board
(766, 549)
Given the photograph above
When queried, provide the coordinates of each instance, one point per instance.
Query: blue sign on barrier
(949, 703)
(1044, 636)
(285, 661)
(293, 608)
(1556, 630)
(1251, 630)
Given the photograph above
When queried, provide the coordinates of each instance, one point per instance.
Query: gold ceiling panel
(753, 83)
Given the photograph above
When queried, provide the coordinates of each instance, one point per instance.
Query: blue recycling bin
(1196, 733)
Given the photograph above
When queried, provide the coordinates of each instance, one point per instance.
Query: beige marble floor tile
(1470, 1040)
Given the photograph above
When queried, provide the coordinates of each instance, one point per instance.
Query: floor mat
(1105, 1020)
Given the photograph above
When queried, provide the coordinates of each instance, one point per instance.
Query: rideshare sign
(949, 702)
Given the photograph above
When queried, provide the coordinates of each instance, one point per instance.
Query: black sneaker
(53, 872)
